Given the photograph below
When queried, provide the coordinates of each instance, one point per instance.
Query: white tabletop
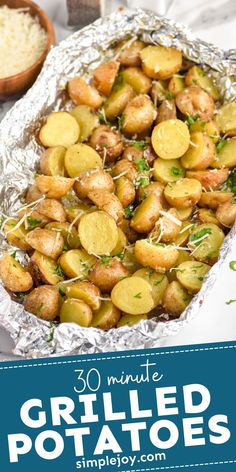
(213, 21)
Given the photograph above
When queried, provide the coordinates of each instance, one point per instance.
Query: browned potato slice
(87, 120)
(117, 101)
(44, 302)
(226, 214)
(107, 142)
(107, 202)
(125, 168)
(176, 85)
(47, 242)
(205, 241)
(16, 237)
(125, 191)
(146, 214)
(184, 193)
(209, 128)
(176, 298)
(170, 139)
(206, 215)
(107, 316)
(33, 194)
(77, 263)
(194, 101)
(76, 311)
(53, 187)
(69, 234)
(52, 161)
(160, 257)
(13, 275)
(121, 243)
(95, 179)
(75, 212)
(214, 199)
(129, 52)
(200, 154)
(169, 170)
(98, 233)
(52, 209)
(44, 269)
(210, 179)
(83, 94)
(139, 115)
(85, 291)
(166, 111)
(135, 77)
(226, 119)
(226, 157)
(159, 91)
(184, 213)
(157, 281)
(104, 76)
(197, 76)
(60, 129)
(131, 320)
(131, 235)
(80, 158)
(191, 275)
(133, 295)
(167, 227)
(160, 62)
(106, 273)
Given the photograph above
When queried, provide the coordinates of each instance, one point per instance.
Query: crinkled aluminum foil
(20, 152)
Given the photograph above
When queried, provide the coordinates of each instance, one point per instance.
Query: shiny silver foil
(20, 153)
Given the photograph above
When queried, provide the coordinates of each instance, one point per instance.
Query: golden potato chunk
(226, 156)
(69, 234)
(76, 311)
(33, 194)
(107, 316)
(160, 257)
(52, 209)
(107, 142)
(86, 292)
(176, 298)
(176, 85)
(16, 237)
(226, 214)
(52, 161)
(43, 302)
(194, 101)
(87, 120)
(210, 179)
(170, 139)
(125, 168)
(167, 227)
(209, 128)
(169, 170)
(146, 214)
(197, 76)
(159, 62)
(44, 270)
(121, 243)
(133, 295)
(166, 111)
(125, 191)
(226, 119)
(200, 154)
(104, 76)
(107, 202)
(159, 91)
(157, 281)
(206, 215)
(117, 100)
(139, 115)
(135, 77)
(77, 263)
(205, 241)
(53, 187)
(107, 272)
(214, 199)
(98, 233)
(60, 129)
(128, 52)
(184, 193)
(94, 179)
(13, 275)
(47, 242)
(82, 93)
(191, 275)
(80, 158)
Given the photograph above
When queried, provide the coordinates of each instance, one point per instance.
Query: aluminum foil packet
(20, 153)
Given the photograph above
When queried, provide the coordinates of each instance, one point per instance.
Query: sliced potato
(130, 320)
(194, 101)
(183, 257)
(159, 91)
(60, 129)
(47, 242)
(105, 274)
(209, 128)
(214, 199)
(107, 316)
(160, 62)
(182, 238)
(121, 243)
(226, 119)
(44, 302)
(129, 52)
(154, 187)
(167, 227)
(85, 291)
(157, 281)
(166, 111)
(226, 157)
(169, 170)
(139, 115)
(13, 275)
(184, 213)
(200, 154)
(197, 76)
(54, 187)
(104, 76)
(52, 161)
(135, 77)
(170, 139)
(52, 209)
(117, 101)
(76, 311)
(176, 298)
(210, 179)
(125, 191)
(226, 214)
(184, 193)
(107, 142)
(16, 237)
(69, 234)
(205, 240)
(160, 257)
(191, 275)
(129, 260)
(133, 295)
(107, 202)
(80, 158)
(206, 215)
(146, 214)
(98, 233)
(75, 212)
(44, 270)
(82, 93)
(176, 85)
(87, 120)
(94, 179)
(77, 263)
(125, 168)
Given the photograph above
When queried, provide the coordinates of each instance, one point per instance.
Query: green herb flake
(193, 238)
(142, 165)
(220, 145)
(66, 247)
(176, 172)
(157, 282)
(230, 301)
(169, 96)
(105, 260)
(201, 279)
(102, 117)
(121, 120)
(138, 295)
(40, 308)
(128, 212)
(13, 254)
(32, 222)
(231, 182)
(190, 120)
(51, 334)
(232, 265)
(142, 145)
(141, 182)
(58, 271)
(61, 292)
(120, 256)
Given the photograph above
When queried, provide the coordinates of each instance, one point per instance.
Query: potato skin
(193, 100)
(105, 276)
(117, 101)
(200, 157)
(82, 93)
(146, 214)
(135, 77)
(52, 161)
(129, 52)
(214, 199)
(92, 180)
(107, 202)
(54, 187)
(106, 317)
(44, 302)
(125, 168)
(16, 237)
(176, 298)
(46, 241)
(132, 153)
(184, 193)
(169, 61)
(104, 76)
(52, 209)
(107, 142)
(33, 194)
(166, 111)
(43, 269)
(131, 235)
(13, 275)
(125, 191)
(197, 76)
(158, 257)
(226, 214)
(210, 179)
(139, 115)
(86, 292)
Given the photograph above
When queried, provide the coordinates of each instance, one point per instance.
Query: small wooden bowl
(16, 85)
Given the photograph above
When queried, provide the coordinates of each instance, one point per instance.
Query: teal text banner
(165, 409)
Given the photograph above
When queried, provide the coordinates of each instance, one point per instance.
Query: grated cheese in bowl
(22, 40)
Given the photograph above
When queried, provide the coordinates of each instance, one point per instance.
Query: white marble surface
(214, 21)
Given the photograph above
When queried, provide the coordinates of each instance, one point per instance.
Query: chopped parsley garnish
(230, 301)
(231, 182)
(138, 295)
(232, 265)
(51, 334)
(66, 247)
(201, 278)
(196, 237)
(40, 308)
(169, 96)
(157, 282)
(61, 292)
(58, 271)
(32, 222)
(120, 256)
(190, 120)
(105, 260)
(121, 120)
(85, 265)
(13, 254)
(220, 145)
(176, 172)
(128, 212)
(142, 165)
(102, 117)
(141, 182)
(140, 145)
